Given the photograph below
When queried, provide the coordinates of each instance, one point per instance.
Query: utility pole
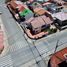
(56, 46)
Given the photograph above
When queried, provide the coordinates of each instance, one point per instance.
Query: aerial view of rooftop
(33, 33)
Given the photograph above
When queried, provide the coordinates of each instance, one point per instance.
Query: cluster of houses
(39, 18)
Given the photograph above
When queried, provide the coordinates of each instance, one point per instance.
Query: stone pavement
(24, 52)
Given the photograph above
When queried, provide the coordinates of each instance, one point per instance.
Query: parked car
(59, 59)
(19, 10)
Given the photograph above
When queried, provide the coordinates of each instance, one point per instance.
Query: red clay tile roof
(39, 21)
(13, 4)
(21, 7)
(58, 57)
(17, 4)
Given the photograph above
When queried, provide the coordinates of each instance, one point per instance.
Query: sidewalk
(6, 46)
